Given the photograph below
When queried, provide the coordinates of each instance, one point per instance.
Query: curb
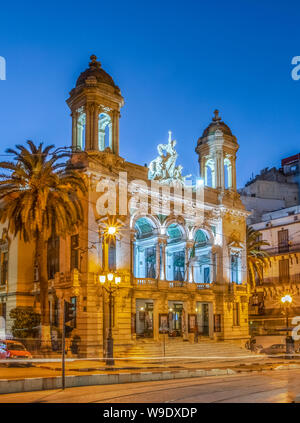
(8, 386)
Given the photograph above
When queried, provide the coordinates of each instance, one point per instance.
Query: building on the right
(273, 199)
(267, 313)
(272, 189)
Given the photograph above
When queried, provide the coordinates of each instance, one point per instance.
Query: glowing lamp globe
(102, 279)
(111, 230)
(286, 299)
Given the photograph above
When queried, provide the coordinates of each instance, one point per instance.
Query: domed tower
(95, 104)
(217, 149)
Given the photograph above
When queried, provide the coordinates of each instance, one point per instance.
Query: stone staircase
(182, 349)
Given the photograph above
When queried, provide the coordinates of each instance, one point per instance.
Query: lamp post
(287, 301)
(110, 283)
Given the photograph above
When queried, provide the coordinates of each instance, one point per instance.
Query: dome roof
(216, 124)
(96, 71)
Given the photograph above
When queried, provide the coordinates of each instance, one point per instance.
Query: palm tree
(39, 194)
(257, 259)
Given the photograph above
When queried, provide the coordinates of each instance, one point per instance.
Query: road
(269, 386)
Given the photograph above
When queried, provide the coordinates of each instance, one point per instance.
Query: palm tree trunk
(41, 246)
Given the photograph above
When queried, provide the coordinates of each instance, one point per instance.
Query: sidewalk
(95, 367)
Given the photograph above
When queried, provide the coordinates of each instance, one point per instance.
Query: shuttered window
(284, 271)
(283, 240)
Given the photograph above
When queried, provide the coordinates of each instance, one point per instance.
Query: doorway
(175, 319)
(203, 318)
(144, 318)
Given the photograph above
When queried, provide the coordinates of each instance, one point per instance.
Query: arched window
(227, 173)
(145, 248)
(105, 131)
(175, 253)
(200, 238)
(210, 173)
(201, 258)
(112, 256)
(81, 130)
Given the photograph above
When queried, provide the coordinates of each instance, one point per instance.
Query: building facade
(179, 272)
(272, 189)
(281, 229)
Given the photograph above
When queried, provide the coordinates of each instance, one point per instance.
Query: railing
(149, 282)
(177, 284)
(236, 287)
(145, 282)
(203, 285)
(282, 249)
(282, 279)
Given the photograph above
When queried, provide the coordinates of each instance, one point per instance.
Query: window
(74, 251)
(235, 268)
(206, 275)
(284, 270)
(179, 263)
(112, 256)
(210, 173)
(283, 240)
(236, 314)
(227, 173)
(217, 322)
(73, 322)
(150, 256)
(53, 257)
(4, 268)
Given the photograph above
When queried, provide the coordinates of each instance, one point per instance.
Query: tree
(25, 322)
(40, 196)
(257, 259)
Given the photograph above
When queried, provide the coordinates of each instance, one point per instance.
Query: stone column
(233, 172)
(186, 264)
(96, 128)
(88, 129)
(115, 132)
(219, 170)
(74, 129)
(132, 254)
(162, 244)
(189, 274)
(157, 270)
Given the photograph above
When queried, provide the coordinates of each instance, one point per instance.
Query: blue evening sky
(175, 62)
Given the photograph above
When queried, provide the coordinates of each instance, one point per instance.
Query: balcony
(154, 283)
(145, 282)
(276, 280)
(283, 249)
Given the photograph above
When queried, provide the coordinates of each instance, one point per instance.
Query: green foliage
(40, 198)
(39, 193)
(257, 259)
(25, 322)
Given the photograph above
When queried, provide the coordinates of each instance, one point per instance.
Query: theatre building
(181, 272)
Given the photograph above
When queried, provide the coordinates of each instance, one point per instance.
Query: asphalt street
(258, 387)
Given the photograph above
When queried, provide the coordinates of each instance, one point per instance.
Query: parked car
(13, 349)
(274, 349)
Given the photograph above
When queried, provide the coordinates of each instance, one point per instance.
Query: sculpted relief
(163, 168)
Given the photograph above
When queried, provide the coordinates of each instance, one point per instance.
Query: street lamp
(287, 301)
(110, 283)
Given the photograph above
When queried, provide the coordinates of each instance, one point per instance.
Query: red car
(13, 349)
